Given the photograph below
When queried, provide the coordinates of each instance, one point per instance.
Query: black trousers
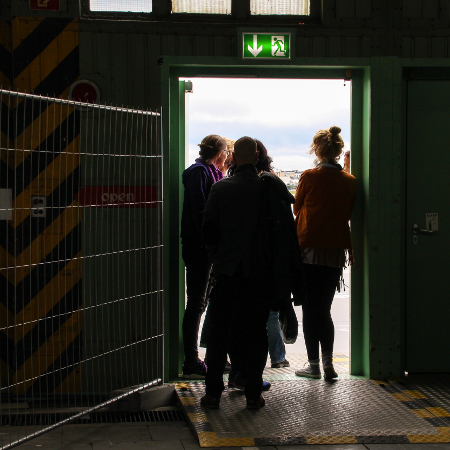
(318, 326)
(198, 269)
(239, 312)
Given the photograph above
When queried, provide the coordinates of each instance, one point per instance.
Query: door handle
(416, 230)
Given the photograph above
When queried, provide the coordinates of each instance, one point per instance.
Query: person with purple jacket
(198, 180)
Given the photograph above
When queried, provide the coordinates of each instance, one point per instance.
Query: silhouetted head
(212, 147)
(245, 151)
(264, 163)
(327, 145)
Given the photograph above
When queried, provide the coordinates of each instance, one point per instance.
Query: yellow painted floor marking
(424, 413)
(182, 386)
(311, 440)
(401, 397)
(440, 412)
(188, 401)
(443, 430)
(414, 394)
(340, 359)
(428, 439)
(197, 417)
(210, 439)
(379, 381)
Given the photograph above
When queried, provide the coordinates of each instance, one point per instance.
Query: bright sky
(283, 114)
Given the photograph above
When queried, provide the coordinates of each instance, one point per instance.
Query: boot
(328, 369)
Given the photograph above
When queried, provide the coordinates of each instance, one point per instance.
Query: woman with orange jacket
(323, 205)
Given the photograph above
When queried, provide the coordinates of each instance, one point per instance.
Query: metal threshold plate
(306, 411)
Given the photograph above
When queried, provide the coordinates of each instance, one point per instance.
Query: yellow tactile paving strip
(421, 425)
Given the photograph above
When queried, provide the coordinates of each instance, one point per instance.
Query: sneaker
(312, 371)
(239, 382)
(210, 402)
(256, 404)
(281, 364)
(197, 372)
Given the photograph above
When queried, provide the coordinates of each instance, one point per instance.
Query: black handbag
(288, 323)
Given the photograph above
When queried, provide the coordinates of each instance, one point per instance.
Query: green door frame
(174, 159)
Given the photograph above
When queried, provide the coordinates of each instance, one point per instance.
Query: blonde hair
(211, 146)
(327, 145)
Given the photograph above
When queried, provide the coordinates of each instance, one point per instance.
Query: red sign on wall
(45, 5)
(119, 196)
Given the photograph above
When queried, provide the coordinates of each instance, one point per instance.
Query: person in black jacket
(240, 307)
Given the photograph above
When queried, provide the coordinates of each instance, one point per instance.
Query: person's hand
(351, 258)
(347, 161)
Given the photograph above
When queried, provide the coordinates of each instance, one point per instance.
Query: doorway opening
(284, 114)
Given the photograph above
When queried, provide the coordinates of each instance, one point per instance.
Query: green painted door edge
(172, 95)
(173, 268)
(360, 123)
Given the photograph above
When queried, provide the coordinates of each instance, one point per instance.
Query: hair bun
(334, 130)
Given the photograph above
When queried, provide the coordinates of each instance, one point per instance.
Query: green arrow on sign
(266, 45)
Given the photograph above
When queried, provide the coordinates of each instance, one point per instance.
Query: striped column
(40, 280)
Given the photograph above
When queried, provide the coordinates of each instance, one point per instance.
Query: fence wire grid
(81, 245)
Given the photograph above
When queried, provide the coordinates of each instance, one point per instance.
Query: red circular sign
(85, 93)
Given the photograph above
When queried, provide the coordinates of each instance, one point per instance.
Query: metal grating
(313, 412)
(46, 419)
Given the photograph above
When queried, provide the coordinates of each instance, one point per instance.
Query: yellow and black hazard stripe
(40, 317)
(6, 73)
(426, 408)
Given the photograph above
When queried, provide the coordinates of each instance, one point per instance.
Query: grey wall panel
(334, 46)
(302, 46)
(345, 9)
(376, 19)
(204, 45)
(439, 47)
(221, 46)
(328, 12)
(366, 44)
(407, 47)
(319, 46)
(363, 9)
(137, 71)
(412, 8)
(169, 44)
(421, 47)
(185, 45)
(431, 9)
(86, 58)
(352, 46)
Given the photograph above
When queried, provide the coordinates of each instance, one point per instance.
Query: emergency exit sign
(266, 45)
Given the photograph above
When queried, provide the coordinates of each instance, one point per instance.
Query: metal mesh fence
(80, 257)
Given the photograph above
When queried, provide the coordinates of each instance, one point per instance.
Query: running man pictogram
(278, 46)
